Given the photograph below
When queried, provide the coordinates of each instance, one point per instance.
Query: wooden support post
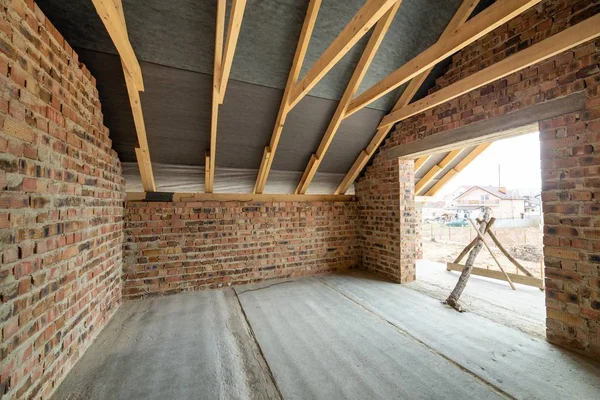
(452, 300)
(482, 238)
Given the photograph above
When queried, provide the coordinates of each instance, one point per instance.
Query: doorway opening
(453, 187)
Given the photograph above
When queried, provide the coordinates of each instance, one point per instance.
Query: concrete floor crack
(257, 344)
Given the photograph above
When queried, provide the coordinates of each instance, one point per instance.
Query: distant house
(434, 210)
(533, 205)
(504, 205)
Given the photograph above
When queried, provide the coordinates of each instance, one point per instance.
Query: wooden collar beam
(571, 37)
(365, 18)
(485, 22)
(461, 15)
(360, 71)
(223, 59)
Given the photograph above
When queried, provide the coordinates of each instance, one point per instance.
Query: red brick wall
(570, 159)
(177, 246)
(61, 206)
(387, 218)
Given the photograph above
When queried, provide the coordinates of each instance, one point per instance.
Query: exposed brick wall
(61, 206)
(177, 246)
(387, 216)
(570, 160)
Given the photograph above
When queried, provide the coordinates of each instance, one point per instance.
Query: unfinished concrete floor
(347, 336)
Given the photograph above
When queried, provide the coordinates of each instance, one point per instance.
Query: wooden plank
(571, 37)
(480, 25)
(143, 160)
(360, 24)
(233, 32)
(217, 70)
(284, 108)
(459, 17)
(140, 196)
(490, 273)
(109, 14)
(487, 245)
(207, 170)
(359, 73)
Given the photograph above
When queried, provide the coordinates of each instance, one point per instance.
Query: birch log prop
(452, 300)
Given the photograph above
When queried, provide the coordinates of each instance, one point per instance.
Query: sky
(519, 160)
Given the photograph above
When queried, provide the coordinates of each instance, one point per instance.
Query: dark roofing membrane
(174, 42)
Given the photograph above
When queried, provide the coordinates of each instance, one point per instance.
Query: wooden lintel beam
(109, 12)
(360, 24)
(233, 31)
(485, 22)
(244, 197)
(556, 44)
(360, 71)
(284, 108)
(464, 11)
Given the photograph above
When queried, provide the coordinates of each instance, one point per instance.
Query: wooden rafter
(436, 170)
(223, 59)
(458, 168)
(461, 15)
(571, 37)
(360, 24)
(485, 22)
(419, 162)
(233, 32)
(360, 71)
(111, 12)
(284, 108)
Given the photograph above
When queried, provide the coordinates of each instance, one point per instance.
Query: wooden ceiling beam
(360, 71)
(233, 32)
(110, 14)
(461, 15)
(360, 24)
(485, 22)
(448, 176)
(556, 44)
(284, 108)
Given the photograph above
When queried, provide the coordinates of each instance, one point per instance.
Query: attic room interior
(220, 199)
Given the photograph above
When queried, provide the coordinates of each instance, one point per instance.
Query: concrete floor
(523, 309)
(347, 336)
